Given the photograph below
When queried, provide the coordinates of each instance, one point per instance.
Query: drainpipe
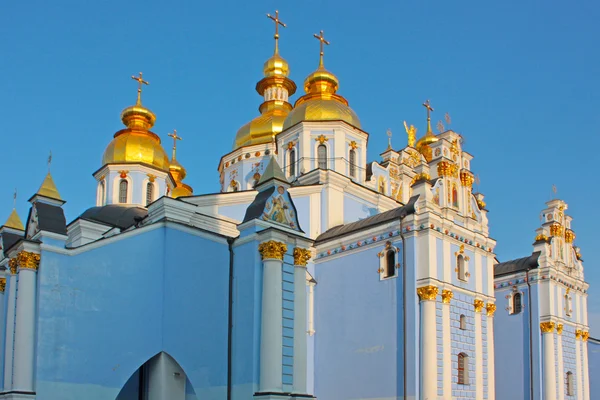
(230, 318)
(530, 335)
(402, 216)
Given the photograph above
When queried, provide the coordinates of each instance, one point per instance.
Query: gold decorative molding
(490, 309)
(547, 327)
(2, 284)
(151, 178)
(585, 336)
(447, 169)
(427, 292)
(559, 328)
(272, 249)
(123, 174)
(28, 260)
(467, 179)
(541, 237)
(578, 333)
(322, 139)
(353, 145)
(420, 177)
(12, 263)
(569, 236)
(301, 256)
(291, 145)
(447, 296)
(478, 304)
(556, 229)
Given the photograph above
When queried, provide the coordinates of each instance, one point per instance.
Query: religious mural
(279, 209)
(438, 191)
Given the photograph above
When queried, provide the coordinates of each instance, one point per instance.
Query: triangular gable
(274, 205)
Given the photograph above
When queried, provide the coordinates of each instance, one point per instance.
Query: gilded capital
(2, 284)
(301, 256)
(585, 336)
(559, 328)
(547, 327)
(28, 260)
(272, 249)
(578, 333)
(447, 296)
(427, 292)
(12, 263)
(478, 304)
(490, 309)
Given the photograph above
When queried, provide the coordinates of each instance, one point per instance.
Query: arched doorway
(159, 378)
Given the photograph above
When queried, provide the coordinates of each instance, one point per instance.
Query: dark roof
(369, 222)
(256, 208)
(50, 218)
(115, 215)
(518, 265)
(9, 239)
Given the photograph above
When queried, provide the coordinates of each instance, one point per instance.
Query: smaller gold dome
(262, 128)
(139, 117)
(423, 145)
(177, 170)
(181, 190)
(321, 81)
(276, 66)
(136, 146)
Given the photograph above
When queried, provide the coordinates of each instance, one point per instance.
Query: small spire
(427, 105)
(322, 41)
(49, 161)
(277, 23)
(48, 188)
(14, 221)
(175, 137)
(273, 171)
(140, 82)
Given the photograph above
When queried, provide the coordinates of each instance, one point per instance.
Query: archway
(159, 378)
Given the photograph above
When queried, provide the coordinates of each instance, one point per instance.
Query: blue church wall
(288, 322)
(303, 213)
(413, 323)
(120, 304)
(594, 367)
(569, 356)
(484, 356)
(463, 341)
(356, 350)
(355, 210)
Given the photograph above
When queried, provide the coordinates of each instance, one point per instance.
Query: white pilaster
(560, 395)
(2, 299)
(10, 332)
(427, 295)
(300, 318)
(478, 353)
(585, 370)
(447, 341)
(491, 362)
(578, 366)
(549, 361)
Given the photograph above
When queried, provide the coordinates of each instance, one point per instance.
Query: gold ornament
(490, 309)
(2, 284)
(585, 336)
(478, 304)
(556, 229)
(322, 139)
(547, 327)
(447, 296)
(466, 179)
(420, 177)
(412, 134)
(301, 256)
(559, 329)
(569, 236)
(427, 292)
(353, 145)
(578, 333)
(12, 263)
(28, 260)
(272, 249)
(541, 237)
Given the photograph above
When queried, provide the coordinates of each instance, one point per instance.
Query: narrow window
(517, 303)
(352, 163)
(292, 162)
(149, 193)
(463, 369)
(570, 384)
(460, 265)
(463, 322)
(567, 305)
(322, 156)
(123, 191)
(102, 192)
(390, 263)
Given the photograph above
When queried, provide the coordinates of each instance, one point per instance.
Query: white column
(585, 372)
(166, 379)
(10, 323)
(428, 373)
(311, 308)
(447, 332)
(271, 340)
(478, 356)
(549, 361)
(560, 395)
(578, 365)
(25, 322)
(301, 256)
(491, 364)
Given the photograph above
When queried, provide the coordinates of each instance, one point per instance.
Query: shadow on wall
(161, 377)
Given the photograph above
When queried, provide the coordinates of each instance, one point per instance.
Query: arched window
(149, 193)
(292, 159)
(463, 369)
(102, 192)
(460, 266)
(123, 191)
(517, 303)
(322, 156)
(352, 163)
(567, 305)
(570, 384)
(463, 322)
(390, 263)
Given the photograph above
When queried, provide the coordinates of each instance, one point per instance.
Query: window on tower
(460, 267)
(463, 369)
(352, 163)
(517, 303)
(463, 322)
(292, 160)
(570, 384)
(123, 186)
(567, 305)
(390, 263)
(322, 156)
(149, 193)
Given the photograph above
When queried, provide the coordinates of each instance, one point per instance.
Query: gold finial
(389, 135)
(427, 105)
(277, 23)
(175, 137)
(322, 41)
(412, 134)
(140, 82)
(49, 160)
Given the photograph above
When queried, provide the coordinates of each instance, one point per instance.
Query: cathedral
(315, 272)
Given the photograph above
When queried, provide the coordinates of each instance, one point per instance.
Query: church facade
(313, 273)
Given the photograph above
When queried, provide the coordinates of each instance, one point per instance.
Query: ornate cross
(277, 23)
(140, 82)
(15, 198)
(427, 105)
(49, 160)
(175, 137)
(322, 41)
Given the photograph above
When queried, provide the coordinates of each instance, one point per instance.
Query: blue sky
(520, 80)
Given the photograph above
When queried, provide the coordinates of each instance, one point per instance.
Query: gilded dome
(262, 128)
(276, 66)
(181, 190)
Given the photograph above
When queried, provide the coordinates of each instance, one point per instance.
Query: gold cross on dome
(140, 82)
(277, 23)
(322, 41)
(427, 105)
(175, 137)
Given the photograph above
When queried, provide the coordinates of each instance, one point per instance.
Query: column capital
(585, 336)
(2, 284)
(478, 304)
(447, 296)
(427, 292)
(559, 329)
(547, 327)
(12, 263)
(490, 309)
(301, 256)
(578, 333)
(28, 260)
(272, 249)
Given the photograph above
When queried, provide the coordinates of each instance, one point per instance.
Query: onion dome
(321, 103)
(178, 172)
(136, 143)
(429, 137)
(14, 221)
(275, 88)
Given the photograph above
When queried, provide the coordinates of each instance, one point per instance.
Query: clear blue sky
(520, 80)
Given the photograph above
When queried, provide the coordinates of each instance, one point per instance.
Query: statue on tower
(412, 134)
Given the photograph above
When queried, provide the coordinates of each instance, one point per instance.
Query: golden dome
(276, 66)
(423, 145)
(181, 190)
(177, 170)
(48, 188)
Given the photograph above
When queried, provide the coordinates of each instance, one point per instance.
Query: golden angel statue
(412, 134)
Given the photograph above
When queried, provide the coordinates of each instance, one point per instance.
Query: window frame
(122, 195)
(292, 162)
(462, 372)
(319, 160)
(462, 321)
(384, 261)
(352, 163)
(149, 192)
